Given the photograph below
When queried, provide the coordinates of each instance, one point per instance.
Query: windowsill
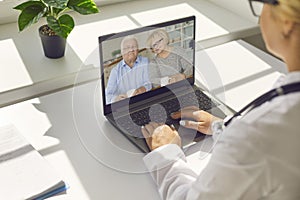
(27, 73)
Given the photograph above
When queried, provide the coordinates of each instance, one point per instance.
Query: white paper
(24, 172)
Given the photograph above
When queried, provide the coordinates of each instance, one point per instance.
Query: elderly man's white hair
(129, 37)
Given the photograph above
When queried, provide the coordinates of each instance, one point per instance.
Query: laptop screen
(146, 62)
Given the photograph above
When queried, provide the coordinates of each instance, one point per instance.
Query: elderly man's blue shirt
(124, 78)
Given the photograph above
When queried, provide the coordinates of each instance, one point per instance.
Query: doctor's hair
(289, 9)
(129, 37)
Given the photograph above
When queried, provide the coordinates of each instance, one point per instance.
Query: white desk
(26, 73)
(97, 162)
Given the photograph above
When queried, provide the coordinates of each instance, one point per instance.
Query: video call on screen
(160, 72)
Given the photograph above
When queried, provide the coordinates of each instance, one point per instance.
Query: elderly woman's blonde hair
(159, 33)
(289, 9)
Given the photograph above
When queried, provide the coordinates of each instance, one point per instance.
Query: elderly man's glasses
(257, 5)
(129, 48)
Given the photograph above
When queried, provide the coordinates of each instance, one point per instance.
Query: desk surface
(68, 129)
(31, 74)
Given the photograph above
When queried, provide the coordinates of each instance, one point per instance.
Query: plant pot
(53, 45)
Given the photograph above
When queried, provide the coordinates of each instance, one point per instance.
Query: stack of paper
(24, 173)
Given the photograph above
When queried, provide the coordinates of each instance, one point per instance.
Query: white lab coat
(257, 157)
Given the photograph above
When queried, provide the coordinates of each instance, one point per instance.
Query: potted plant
(59, 23)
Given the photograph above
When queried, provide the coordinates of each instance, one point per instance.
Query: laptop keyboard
(161, 112)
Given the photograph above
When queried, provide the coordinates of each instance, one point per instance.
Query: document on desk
(24, 173)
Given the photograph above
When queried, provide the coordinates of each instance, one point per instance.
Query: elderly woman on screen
(171, 63)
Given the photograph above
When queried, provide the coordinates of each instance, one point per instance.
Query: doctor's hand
(157, 135)
(194, 118)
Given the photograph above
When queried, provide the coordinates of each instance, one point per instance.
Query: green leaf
(84, 7)
(24, 5)
(57, 11)
(61, 26)
(57, 3)
(30, 15)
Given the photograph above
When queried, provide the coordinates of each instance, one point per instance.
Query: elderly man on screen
(130, 76)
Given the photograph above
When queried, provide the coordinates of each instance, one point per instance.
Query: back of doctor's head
(282, 33)
(288, 9)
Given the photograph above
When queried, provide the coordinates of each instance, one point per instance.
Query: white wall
(8, 14)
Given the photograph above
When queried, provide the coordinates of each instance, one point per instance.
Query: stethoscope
(283, 90)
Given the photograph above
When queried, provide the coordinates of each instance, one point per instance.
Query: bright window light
(210, 28)
(247, 62)
(235, 100)
(31, 121)
(95, 29)
(14, 74)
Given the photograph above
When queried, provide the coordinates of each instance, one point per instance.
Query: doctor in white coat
(257, 155)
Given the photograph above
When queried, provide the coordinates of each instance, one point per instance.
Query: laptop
(163, 97)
